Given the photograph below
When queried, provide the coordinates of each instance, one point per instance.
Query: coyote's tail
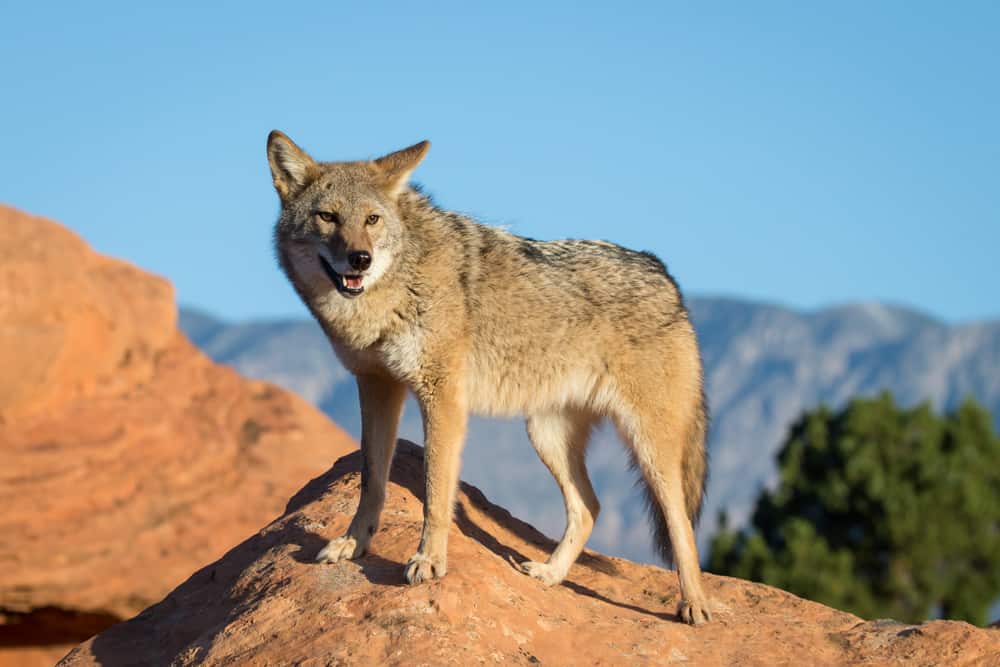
(694, 476)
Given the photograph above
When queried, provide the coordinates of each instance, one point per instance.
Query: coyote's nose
(359, 260)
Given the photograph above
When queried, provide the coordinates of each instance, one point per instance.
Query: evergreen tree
(881, 511)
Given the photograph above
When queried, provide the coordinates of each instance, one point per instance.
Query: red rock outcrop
(266, 602)
(129, 459)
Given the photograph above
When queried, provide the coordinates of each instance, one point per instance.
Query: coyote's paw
(544, 572)
(422, 568)
(694, 612)
(340, 549)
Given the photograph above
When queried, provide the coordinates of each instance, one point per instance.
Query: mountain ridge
(764, 364)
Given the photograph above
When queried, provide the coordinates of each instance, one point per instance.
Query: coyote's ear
(291, 167)
(395, 168)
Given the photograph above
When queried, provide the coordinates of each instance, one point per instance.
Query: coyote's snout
(473, 319)
(345, 266)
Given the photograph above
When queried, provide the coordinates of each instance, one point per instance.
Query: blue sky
(799, 154)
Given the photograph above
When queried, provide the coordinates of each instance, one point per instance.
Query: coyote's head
(340, 225)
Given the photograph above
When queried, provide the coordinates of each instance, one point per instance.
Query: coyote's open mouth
(349, 286)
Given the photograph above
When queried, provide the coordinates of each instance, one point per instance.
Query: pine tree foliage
(881, 511)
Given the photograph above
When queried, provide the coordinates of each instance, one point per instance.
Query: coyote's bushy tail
(694, 476)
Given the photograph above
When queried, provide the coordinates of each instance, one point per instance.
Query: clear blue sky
(776, 151)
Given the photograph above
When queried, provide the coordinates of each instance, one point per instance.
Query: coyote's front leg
(445, 415)
(381, 405)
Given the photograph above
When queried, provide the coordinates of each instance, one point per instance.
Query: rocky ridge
(129, 458)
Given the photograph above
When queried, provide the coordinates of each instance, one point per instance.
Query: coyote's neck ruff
(474, 319)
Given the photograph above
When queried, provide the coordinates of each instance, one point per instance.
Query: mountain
(764, 365)
(267, 603)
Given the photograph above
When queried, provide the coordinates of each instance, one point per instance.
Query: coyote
(471, 318)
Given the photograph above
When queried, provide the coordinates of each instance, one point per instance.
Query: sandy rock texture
(129, 459)
(266, 602)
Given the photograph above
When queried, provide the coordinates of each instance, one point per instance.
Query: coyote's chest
(399, 354)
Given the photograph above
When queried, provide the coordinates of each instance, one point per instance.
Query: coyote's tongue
(354, 282)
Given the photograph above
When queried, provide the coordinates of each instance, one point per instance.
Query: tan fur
(474, 319)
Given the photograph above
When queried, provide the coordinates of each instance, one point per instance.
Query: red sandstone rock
(129, 459)
(266, 602)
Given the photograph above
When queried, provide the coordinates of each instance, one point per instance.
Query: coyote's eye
(326, 216)
(373, 218)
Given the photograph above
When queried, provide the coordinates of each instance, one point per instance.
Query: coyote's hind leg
(560, 438)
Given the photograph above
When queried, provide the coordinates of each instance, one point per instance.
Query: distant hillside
(764, 365)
